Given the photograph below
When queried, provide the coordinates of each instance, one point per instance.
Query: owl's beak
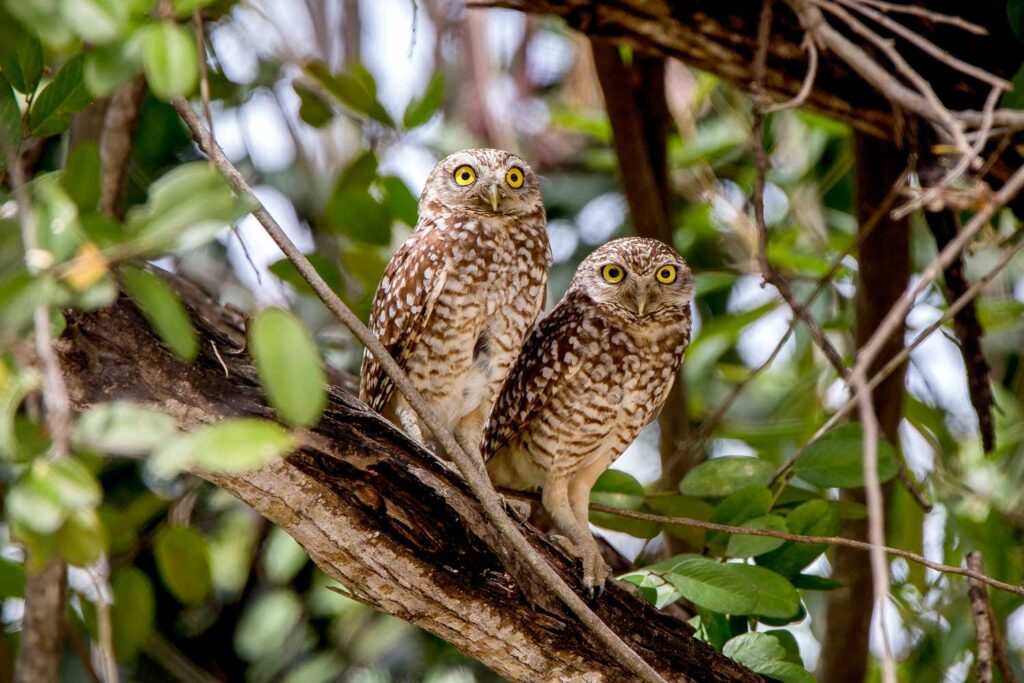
(494, 197)
(639, 300)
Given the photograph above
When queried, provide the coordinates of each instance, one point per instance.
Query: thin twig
(897, 360)
(808, 82)
(788, 536)
(929, 15)
(204, 71)
(470, 467)
(105, 646)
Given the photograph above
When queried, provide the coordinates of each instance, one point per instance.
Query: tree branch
(378, 513)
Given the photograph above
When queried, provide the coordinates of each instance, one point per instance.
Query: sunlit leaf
(237, 445)
(170, 60)
(124, 428)
(266, 623)
(96, 21)
(621, 490)
(714, 586)
(163, 310)
(754, 649)
(721, 476)
(82, 540)
(108, 67)
(836, 459)
(183, 561)
(289, 365)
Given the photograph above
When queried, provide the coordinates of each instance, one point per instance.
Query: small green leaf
(313, 108)
(785, 672)
(20, 295)
(812, 582)
(82, 540)
(133, 613)
(289, 365)
(21, 55)
(420, 111)
(124, 428)
(754, 649)
(836, 459)
(267, 622)
(10, 120)
(752, 546)
(108, 67)
(682, 506)
(12, 579)
(96, 21)
(774, 596)
(721, 476)
(714, 586)
(184, 8)
(183, 560)
(163, 310)
(34, 503)
(399, 201)
(813, 518)
(81, 176)
(237, 445)
(283, 557)
(62, 98)
(621, 490)
(75, 485)
(358, 215)
(356, 89)
(170, 60)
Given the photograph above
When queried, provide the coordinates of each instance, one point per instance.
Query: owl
(593, 372)
(458, 298)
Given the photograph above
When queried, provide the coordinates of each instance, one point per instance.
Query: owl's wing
(550, 357)
(402, 306)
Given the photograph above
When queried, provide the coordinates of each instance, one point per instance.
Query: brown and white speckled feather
(459, 296)
(592, 374)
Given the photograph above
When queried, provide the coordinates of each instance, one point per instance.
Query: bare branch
(982, 626)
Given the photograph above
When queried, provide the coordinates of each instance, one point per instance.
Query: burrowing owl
(593, 372)
(460, 295)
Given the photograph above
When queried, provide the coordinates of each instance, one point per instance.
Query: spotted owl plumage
(458, 298)
(592, 374)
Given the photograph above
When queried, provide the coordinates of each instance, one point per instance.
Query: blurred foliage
(193, 572)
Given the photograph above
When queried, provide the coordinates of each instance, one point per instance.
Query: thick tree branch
(389, 520)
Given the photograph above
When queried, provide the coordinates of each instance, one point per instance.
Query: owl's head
(638, 278)
(483, 181)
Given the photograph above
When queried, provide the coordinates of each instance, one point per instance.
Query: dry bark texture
(389, 521)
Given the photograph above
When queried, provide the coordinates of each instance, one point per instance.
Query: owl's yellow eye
(514, 177)
(666, 275)
(613, 273)
(465, 175)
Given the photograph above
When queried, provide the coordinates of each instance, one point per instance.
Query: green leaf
(737, 508)
(621, 490)
(238, 445)
(133, 613)
(10, 120)
(163, 310)
(170, 60)
(754, 649)
(183, 560)
(21, 55)
(682, 506)
(283, 557)
(75, 485)
(356, 214)
(62, 98)
(313, 108)
(81, 176)
(124, 428)
(721, 476)
(82, 540)
(96, 21)
(714, 586)
(20, 295)
(752, 546)
(289, 365)
(356, 89)
(267, 622)
(184, 8)
(33, 502)
(12, 579)
(785, 672)
(420, 111)
(811, 582)
(108, 67)
(15, 385)
(774, 596)
(788, 643)
(836, 459)
(399, 201)
(186, 208)
(813, 518)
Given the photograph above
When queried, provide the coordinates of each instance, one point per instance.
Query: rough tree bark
(882, 274)
(388, 520)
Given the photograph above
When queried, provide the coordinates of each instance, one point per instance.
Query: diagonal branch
(378, 513)
(520, 557)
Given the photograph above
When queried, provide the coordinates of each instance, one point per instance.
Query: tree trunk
(388, 520)
(883, 269)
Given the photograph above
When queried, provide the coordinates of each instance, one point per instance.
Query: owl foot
(595, 571)
(518, 509)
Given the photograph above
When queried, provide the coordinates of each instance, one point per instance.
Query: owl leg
(469, 433)
(579, 499)
(409, 421)
(556, 501)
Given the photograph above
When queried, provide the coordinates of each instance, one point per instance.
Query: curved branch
(389, 520)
